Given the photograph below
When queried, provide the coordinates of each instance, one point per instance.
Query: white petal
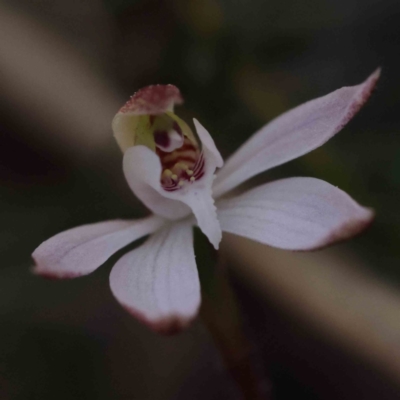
(208, 142)
(294, 214)
(81, 250)
(293, 134)
(142, 170)
(158, 283)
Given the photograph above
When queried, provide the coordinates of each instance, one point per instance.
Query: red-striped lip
(181, 167)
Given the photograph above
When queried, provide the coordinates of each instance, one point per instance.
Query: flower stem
(221, 314)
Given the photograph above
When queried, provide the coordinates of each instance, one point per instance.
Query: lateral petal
(79, 251)
(294, 214)
(158, 282)
(294, 134)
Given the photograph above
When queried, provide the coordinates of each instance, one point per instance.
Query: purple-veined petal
(293, 134)
(294, 214)
(158, 282)
(142, 170)
(79, 251)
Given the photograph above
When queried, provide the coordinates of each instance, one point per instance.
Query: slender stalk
(222, 316)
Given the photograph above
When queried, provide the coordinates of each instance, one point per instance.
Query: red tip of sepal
(153, 100)
(167, 326)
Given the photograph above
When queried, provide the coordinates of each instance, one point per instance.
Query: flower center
(181, 159)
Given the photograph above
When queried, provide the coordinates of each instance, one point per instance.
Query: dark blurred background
(324, 325)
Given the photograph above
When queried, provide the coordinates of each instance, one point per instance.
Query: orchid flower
(173, 172)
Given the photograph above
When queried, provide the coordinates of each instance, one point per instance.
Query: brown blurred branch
(49, 84)
(331, 291)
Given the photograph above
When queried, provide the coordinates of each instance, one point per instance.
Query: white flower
(173, 175)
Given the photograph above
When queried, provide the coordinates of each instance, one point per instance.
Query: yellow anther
(189, 172)
(181, 183)
(174, 177)
(167, 172)
(192, 179)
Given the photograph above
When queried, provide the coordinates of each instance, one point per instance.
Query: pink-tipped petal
(142, 170)
(79, 251)
(158, 282)
(294, 214)
(293, 134)
(153, 100)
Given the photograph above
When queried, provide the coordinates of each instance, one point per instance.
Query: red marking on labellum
(162, 139)
(154, 99)
(182, 166)
(187, 160)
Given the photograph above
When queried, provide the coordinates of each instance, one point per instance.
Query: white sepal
(294, 214)
(158, 282)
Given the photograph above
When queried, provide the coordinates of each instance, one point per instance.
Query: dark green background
(238, 64)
